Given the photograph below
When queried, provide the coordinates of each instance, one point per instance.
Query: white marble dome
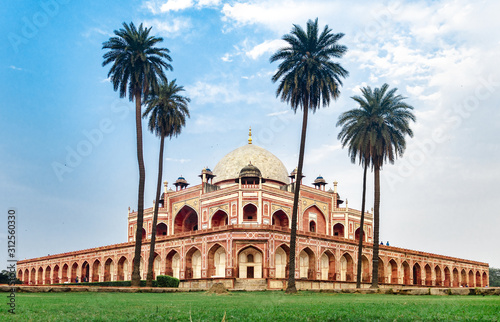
(270, 166)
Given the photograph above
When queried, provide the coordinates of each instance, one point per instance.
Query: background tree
(137, 66)
(167, 111)
(356, 135)
(386, 119)
(494, 277)
(308, 78)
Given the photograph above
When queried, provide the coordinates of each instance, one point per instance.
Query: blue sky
(56, 100)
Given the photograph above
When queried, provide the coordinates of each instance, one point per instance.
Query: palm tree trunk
(149, 278)
(376, 222)
(293, 235)
(136, 277)
(362, 233)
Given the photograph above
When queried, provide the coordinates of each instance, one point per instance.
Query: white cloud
(159, 6)
(178, 160)
(278, 113)
(176, 5)
(227, 57)
(208, 3)
(205, 92)
(170, 28)
(268, 46)
(15, 68)
(277, 15)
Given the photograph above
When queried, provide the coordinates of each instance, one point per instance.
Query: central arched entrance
(250, 263)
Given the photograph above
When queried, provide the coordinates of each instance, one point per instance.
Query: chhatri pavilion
(234, 227)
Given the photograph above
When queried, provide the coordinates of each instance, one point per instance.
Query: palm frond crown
(308, 76)
(167, 110)
(137, 65)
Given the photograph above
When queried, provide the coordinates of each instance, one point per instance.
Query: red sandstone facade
(239, 228)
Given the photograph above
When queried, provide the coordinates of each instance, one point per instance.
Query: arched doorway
(357, 233)
(439, 278)
(447, 277)
(313, 218)
(186, 220)
(456, 281)
(417, 274)
(173, 264)
(485, 279)
(346, 268)
(20, 275)
(55, 275)
(365, 269)
(280, 219)
(96, 270)
(307, 259)
(85, 272)
(471, 279)
(64, 275)
(281, 261)
(250, 263)
(123, 269)
(33, 276)
(193, 263)
(327, 266)
(250, 213)
(109, 268)
(27, 276)
(74, 272)
(393, 272)
(478, 279)
(406, 273)
(381, 271)
(47, 275)
(338, 230)
(217, 261)
(463, 278)
(40, 276)
(161, 229)
(219, 219)
(428, 275)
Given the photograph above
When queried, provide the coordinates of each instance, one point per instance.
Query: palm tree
(137, 67)
(308, 79)
(356, 135)
(377, 132)
(168, 110)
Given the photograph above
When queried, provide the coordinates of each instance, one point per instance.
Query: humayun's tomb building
(234, 227)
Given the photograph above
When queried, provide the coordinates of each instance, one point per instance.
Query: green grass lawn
(248, 306)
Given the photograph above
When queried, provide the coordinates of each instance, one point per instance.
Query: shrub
(167, 281)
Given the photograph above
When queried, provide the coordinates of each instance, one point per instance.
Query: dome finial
(250, 135)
